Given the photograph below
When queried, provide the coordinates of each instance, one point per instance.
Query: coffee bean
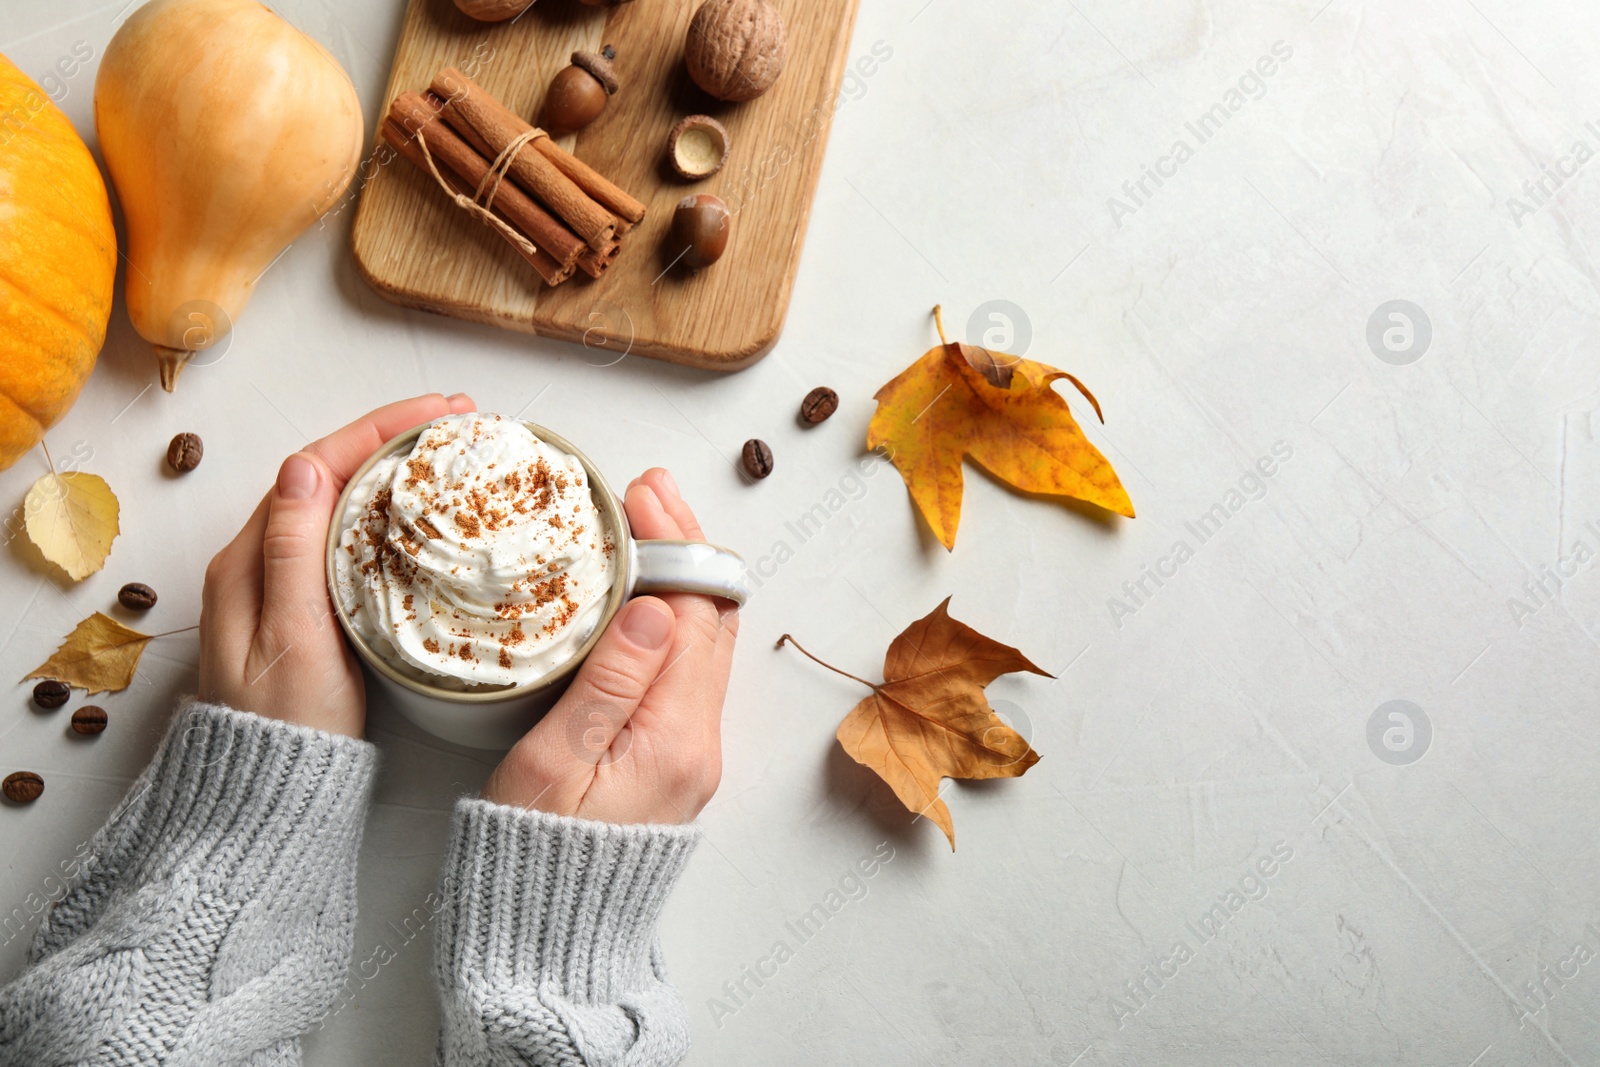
(184, 453)
(51, 694)
(22, 787)
(819, 404)
(89, 719)
(757, 458)
(136, 596)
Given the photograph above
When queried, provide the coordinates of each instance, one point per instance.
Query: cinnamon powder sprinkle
(563, 616)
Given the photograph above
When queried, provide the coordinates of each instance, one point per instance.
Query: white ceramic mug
(497, 717)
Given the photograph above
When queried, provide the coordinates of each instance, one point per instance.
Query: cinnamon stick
(595, 263)
(470, 135)
(550, 269)
(470, 110)
(629, 211)
(413, 113)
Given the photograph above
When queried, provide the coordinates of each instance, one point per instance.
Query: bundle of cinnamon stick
(561, 214)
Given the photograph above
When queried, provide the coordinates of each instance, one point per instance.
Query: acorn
(578, 93)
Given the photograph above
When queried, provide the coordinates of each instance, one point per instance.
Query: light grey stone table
(1348, 244)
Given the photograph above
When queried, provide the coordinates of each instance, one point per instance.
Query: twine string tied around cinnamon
(479, 204)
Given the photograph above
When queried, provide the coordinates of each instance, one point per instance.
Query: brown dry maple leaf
(928, 719)
(1002, 411)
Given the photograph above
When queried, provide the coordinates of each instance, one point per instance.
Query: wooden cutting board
(418, 249)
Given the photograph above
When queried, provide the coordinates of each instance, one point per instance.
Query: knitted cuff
(560, 904)
(239, 802)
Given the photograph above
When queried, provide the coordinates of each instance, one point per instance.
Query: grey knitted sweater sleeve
(547, 951)
(211, 921)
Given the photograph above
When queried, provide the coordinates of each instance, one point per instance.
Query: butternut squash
(227, 132)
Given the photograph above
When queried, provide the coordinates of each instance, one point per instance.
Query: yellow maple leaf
(1003, 411)
(100, 655)
(72, 518)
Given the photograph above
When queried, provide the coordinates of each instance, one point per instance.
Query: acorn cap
(697, 147)
(599, 64)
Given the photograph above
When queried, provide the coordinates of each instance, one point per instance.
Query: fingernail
(297, 478)
(666, 480)
(646, 623)
(453, 397)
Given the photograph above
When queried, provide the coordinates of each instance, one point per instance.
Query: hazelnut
(736, 48)
(578, 93)
(700, 228)
(697, 147)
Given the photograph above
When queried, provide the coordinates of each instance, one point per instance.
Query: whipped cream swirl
(479, 557)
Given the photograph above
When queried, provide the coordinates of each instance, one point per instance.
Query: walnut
(736, 48)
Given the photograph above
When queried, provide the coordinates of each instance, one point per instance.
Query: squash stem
(172, 360)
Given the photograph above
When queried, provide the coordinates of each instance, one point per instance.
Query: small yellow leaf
(99, 655)
(72, 518)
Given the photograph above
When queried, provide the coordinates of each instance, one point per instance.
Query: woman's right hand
(637, 738)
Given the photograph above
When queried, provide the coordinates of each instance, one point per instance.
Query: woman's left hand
(269, 641)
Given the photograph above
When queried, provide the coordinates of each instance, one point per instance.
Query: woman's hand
(269, 641)
(637, 738)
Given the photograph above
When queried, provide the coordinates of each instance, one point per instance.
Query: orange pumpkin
(58, 259)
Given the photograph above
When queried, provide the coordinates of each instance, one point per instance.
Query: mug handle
(689, 567)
